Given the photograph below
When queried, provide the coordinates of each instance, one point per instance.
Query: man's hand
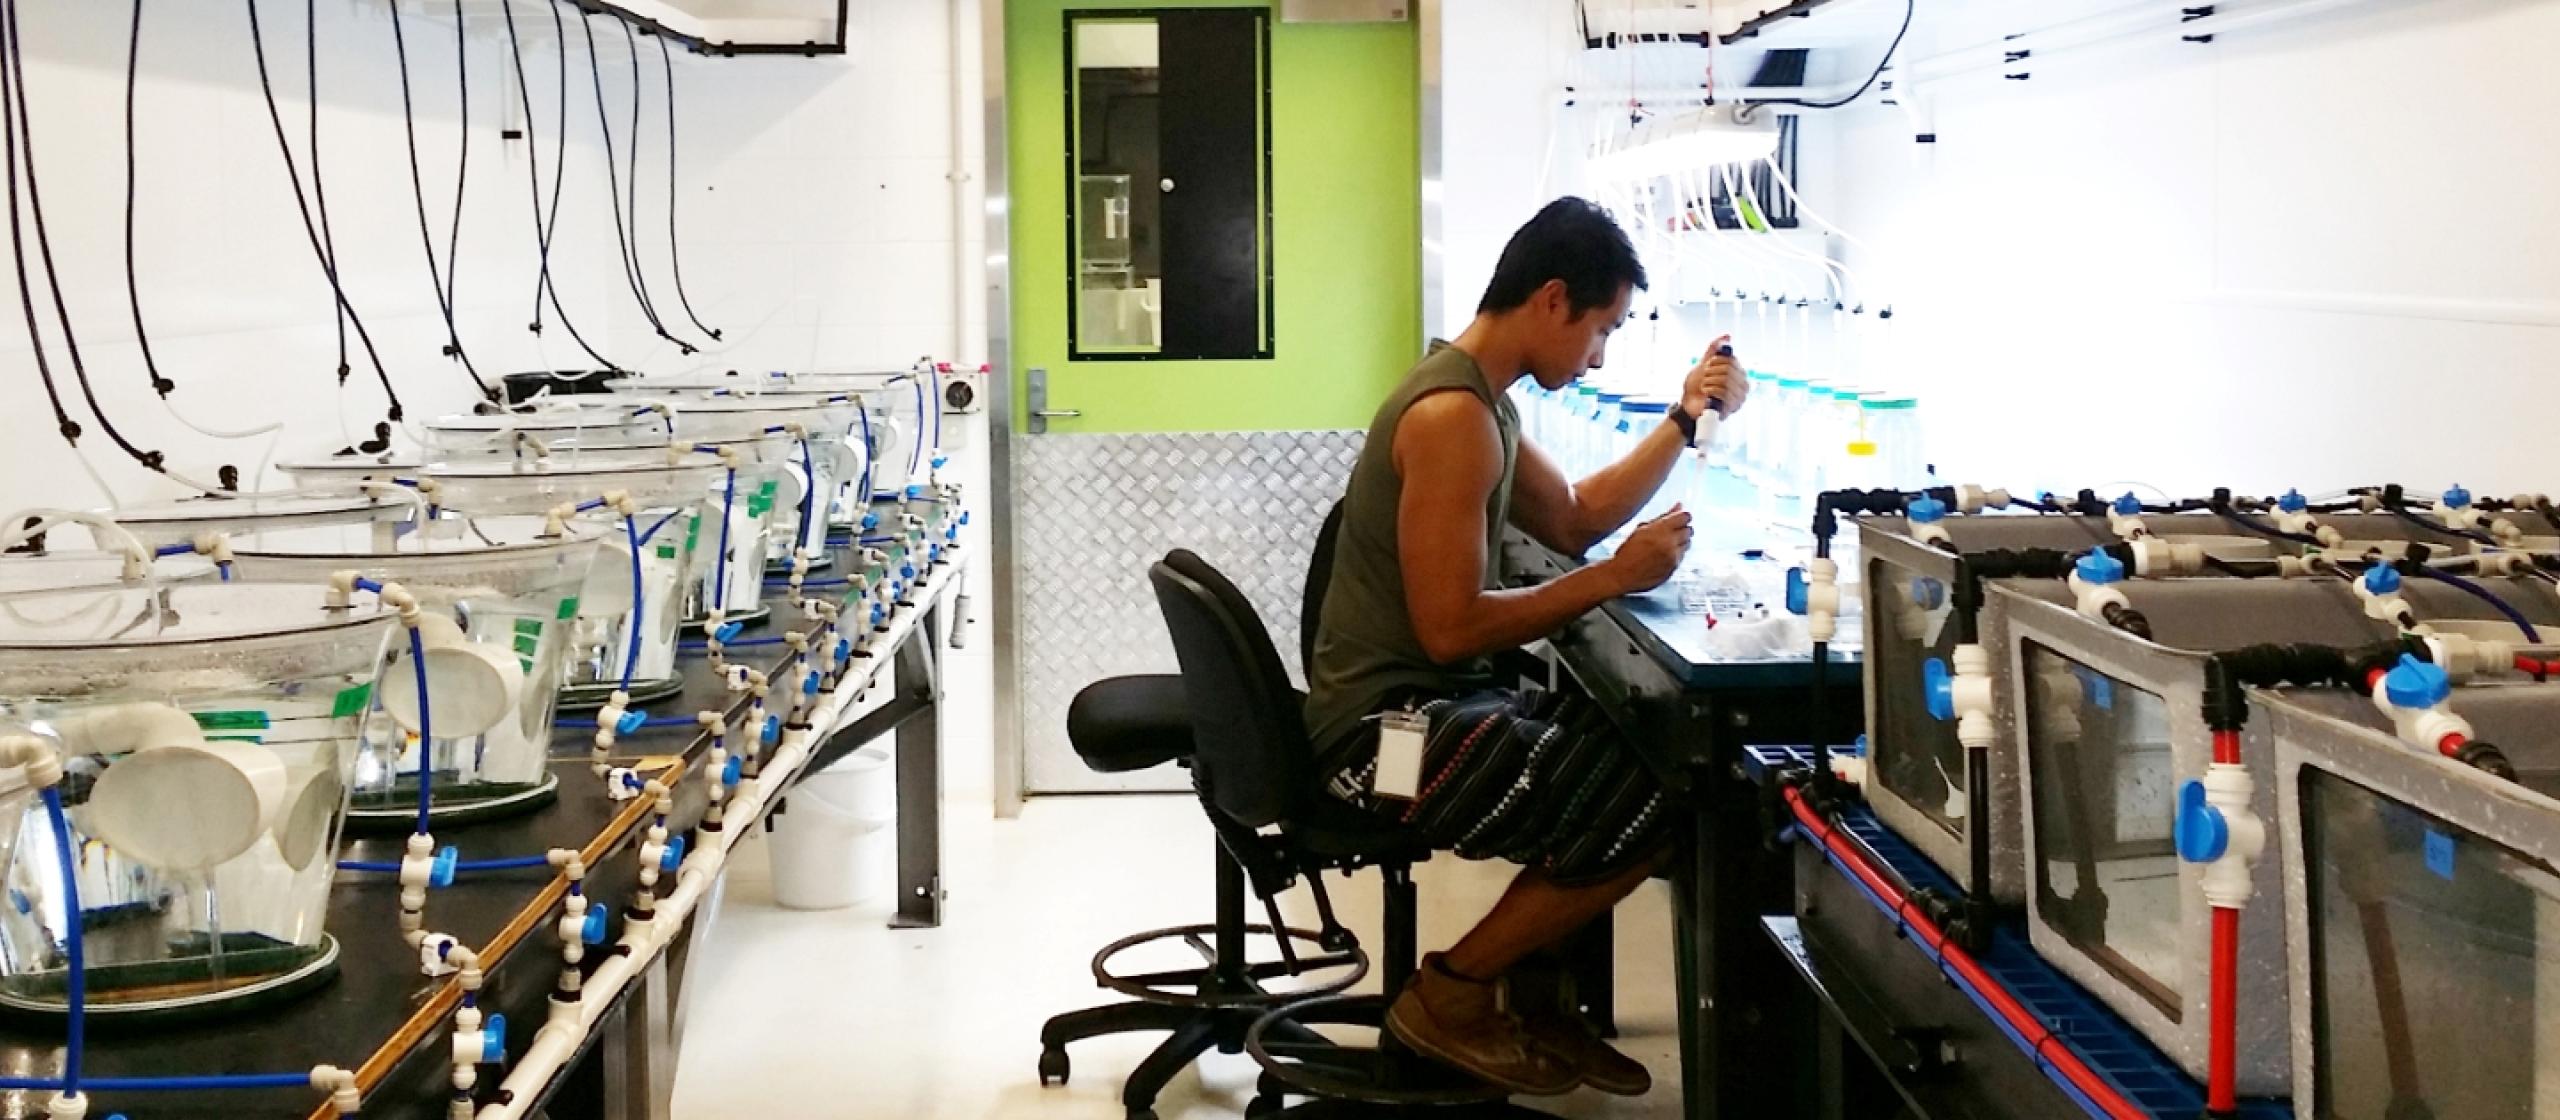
(1717, 377)
(1652, 552)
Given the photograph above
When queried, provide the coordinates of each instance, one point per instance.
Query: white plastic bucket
(831, 844)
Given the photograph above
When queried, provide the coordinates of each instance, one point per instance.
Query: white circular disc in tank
(304, 828)
(187, 808)
(607, 592)
(470, 688)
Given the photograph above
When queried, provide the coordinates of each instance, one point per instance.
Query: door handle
(1068, 412)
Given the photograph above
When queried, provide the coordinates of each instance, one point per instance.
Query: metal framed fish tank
(499, 623)
(2100, 730)
(2424, 905)
(1916, 766)
(206, 732)
(631, 605)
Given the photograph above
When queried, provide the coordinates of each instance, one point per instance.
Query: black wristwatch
(1687, 424)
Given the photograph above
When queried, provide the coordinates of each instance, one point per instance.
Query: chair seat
(1335, 830)
(1120, 724)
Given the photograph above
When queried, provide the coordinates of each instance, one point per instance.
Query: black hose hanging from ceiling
(319, 186)
(21, 148)
(63, 422)
(675, 255)
(436, 276)
(613, 192)
(132, 283)
(545, 228)
(631, 184)
(311, 230)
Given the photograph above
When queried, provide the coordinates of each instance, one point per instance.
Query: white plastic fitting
(1972, 693)
(2423, 728)
(66, 1106)
(1931, 533)
(618, 785)
(33, 757)
(417, 869)
(2156, 557)
(340, 1085)
(2466, 517)
(1822, 598)
(1974, 499)
(2464, 658)
(434, 951)
(2127, 526)
(2093, 599)
(2229, 790)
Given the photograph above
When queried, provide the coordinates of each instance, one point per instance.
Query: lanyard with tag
(1401, 737)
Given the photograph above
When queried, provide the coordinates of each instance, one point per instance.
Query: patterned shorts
(1541, 779)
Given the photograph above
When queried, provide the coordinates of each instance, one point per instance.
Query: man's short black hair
(1573, 240)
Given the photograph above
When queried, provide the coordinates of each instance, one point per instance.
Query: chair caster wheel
(1053, 1066)
(1262, 1105)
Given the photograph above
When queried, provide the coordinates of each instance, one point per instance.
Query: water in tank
(206, 732)
(190, 519)
(630, 607)
(500, 620)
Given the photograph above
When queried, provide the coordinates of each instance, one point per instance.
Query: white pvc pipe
(569, 1024)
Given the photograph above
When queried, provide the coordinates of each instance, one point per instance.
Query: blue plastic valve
(493, 1037)
(772, 732)
(728, 631)
(1858, 749)
(870, 521)
(440, 874)
(2293, 502)
(730, 774)
(1928, 594)
(915, 493)
(2128, 505)
(673, 857)
(2382, 579)
(18, 900)
(964, 517)
(2202, 833)
(2416, 684)
(907, 571)
(2100, 568)
(809, 684)
(2457, 498)
(1925, 511)
(592, 929)
(1938, 689)
(879, 614)
(631, 722)
(844, 648)
(1798, 592)
(940, 461)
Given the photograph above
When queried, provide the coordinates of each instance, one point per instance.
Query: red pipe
(2535, 667)
(2226, 748)
(2048, 1048)
(2222, 1040)
(2451, 745)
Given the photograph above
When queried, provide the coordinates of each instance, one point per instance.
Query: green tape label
(242, 720)
(568, 608)
(528, 639)
(351, 702)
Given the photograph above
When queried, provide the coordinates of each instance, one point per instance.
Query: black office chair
(1123, 724)
(1254, 767)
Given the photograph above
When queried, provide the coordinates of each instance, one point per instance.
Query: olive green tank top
(1365, 649)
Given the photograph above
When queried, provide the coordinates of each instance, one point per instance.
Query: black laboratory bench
(382, 1018)
(1644, 660)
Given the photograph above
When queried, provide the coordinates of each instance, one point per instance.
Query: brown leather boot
(1563, 1032)
(1467, 1024)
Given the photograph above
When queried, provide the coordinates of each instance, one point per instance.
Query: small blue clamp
(673, 857)
(2128, 505)
(728, 631)
(1798, 592)
(2416, 684)
(1925, 511)
(631, 722)
(772, 732)
(2202, 834)
(2293, 502)
(2382, 579)
(2457, 498)
(2099, 568)
(1928, 594)
(440, 873)
(493, 1035)
(1938, 689)
(591, 929)
(735, 770)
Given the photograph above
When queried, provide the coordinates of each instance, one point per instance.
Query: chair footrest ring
(1203, 986)
(1378, 1074)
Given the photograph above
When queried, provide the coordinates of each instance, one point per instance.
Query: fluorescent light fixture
(1690, 141)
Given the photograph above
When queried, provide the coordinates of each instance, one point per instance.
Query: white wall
(2312, 254)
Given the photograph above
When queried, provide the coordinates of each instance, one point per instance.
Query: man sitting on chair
(1406, 712)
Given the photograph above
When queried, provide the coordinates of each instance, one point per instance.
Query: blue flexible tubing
(426, 738)
(512, 863)
(915, 453)
(2487, 596)
(937, 408)
(808, 498)
(652, 721)
(741, 643)
(870, 450)
(76, 982)
(639, 598)
(720, 563)
(660, 523)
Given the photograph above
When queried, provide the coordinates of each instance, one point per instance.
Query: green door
(1213, 233)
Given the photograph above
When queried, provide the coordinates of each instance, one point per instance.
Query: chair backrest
(1251, 754)
(1319, 580)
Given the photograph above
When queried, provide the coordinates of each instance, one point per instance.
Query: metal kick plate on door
(1035, 394)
